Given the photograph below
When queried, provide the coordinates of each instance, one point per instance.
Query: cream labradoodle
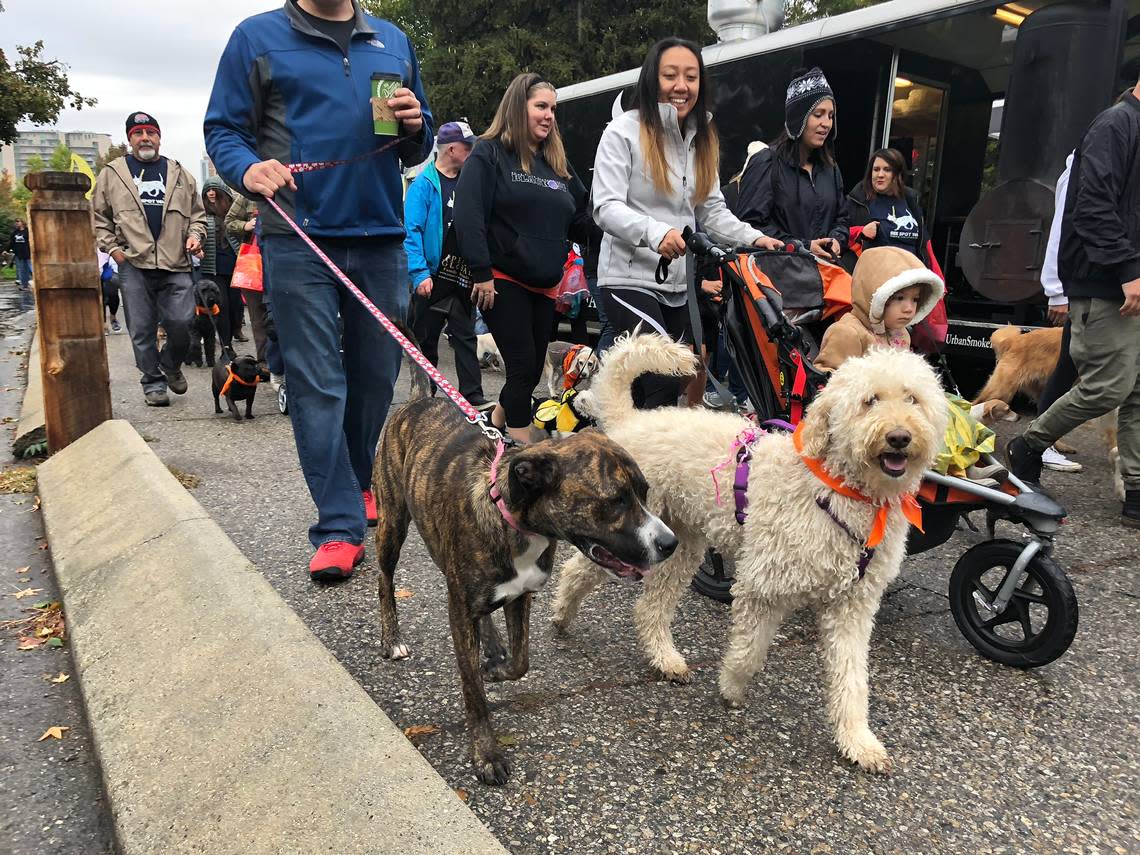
(876, 426)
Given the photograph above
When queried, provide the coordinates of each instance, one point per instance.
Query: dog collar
(232, 378)
(497, 495)
(907, 504)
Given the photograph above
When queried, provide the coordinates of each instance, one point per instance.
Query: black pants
(1063, 376)
(427, 324)
(111, 294)
(627, 309)
(520, 323)
(230, 317)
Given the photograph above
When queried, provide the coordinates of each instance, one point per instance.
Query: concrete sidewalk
(221, 723)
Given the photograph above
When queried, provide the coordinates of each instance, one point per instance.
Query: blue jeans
(23, 272)
(337, 403)
(150, 298)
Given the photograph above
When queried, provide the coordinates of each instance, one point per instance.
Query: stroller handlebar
(701, 244)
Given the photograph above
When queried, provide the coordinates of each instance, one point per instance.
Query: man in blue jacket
(427, 216)
(294, 86)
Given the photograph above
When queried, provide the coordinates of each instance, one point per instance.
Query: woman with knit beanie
(793, 190)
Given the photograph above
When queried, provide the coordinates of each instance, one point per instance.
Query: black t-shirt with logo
(447, 197)
(897, 224)
(150, 179)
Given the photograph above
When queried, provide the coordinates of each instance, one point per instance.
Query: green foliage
(469, 51)
(60, 160)
(34, 90)
(800, 11)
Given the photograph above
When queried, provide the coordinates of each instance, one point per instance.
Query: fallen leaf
(43, 546)
(420, 730)
(54, 642)
(29, 643)
(505, 740)
(462, 793)
(62, 678)
(36, 504)
(403, 594)
(53, 733)
(23, 569)
(530, 799)
(27, 592)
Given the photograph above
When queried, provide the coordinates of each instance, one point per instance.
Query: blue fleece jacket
(286, 91)
(423, 219)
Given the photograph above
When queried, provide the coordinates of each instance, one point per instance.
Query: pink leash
(472, 415)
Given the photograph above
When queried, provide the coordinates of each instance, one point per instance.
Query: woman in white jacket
(657, 171)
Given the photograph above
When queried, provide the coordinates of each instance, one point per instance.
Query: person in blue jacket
(295, 85)
(428, 209)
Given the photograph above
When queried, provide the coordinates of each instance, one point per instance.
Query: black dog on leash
(235, 379)
(203, 329)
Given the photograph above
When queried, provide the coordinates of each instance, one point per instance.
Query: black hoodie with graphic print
(519, 223)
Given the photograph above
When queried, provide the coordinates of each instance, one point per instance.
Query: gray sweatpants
(150, 298)
(1106, 350)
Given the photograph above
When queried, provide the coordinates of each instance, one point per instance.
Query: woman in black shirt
(517, 206)
(884, 211)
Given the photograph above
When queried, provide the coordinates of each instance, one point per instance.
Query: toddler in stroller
(1010, 599)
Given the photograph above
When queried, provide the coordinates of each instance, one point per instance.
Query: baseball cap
(452, 132)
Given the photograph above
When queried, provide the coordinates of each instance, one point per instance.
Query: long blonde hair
(510, 125)
(652, 133)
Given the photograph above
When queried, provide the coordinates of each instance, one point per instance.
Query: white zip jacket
(1050, 278)
(636, 217)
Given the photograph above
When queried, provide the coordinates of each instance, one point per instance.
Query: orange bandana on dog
(908, 505)
(233, 378)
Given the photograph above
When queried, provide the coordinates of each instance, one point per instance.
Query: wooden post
(69, 306)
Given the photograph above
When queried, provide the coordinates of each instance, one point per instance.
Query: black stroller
(1010, 598)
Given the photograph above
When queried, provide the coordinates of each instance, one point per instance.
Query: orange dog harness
(908, 505)
(233, 378)
(201, 310)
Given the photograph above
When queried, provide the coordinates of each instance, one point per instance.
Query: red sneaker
(369, 507)
(335, 560)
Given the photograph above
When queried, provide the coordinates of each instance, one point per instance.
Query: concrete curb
(30, 429)
(221, 723)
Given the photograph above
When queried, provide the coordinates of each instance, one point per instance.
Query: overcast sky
(154, 55)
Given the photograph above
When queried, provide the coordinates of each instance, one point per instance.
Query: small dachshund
(203, 329)
(235, 379)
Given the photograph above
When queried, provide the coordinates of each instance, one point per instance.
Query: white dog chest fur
(528, 576)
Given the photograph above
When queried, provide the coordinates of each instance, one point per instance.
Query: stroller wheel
(282, 399)
(1040, 620)
(715, 577)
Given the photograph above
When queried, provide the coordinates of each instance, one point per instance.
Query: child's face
(901, 308)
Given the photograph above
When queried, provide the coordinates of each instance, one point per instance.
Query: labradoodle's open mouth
(604, 558)
(893, 463)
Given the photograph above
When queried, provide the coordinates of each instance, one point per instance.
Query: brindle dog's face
(587, 490)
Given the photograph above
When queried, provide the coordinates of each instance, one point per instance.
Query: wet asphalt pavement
(607, 758)
(53, 800)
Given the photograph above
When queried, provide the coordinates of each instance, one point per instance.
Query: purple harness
(868, 551)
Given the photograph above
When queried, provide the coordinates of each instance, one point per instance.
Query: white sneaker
(1051, 458)
(275, 381)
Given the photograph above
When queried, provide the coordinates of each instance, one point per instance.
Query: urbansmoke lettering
(967, 341)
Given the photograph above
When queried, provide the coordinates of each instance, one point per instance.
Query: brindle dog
(434, 468)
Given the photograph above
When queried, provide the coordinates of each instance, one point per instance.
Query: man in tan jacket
(149, 218)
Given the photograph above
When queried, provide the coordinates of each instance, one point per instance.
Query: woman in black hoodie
(517, 206)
